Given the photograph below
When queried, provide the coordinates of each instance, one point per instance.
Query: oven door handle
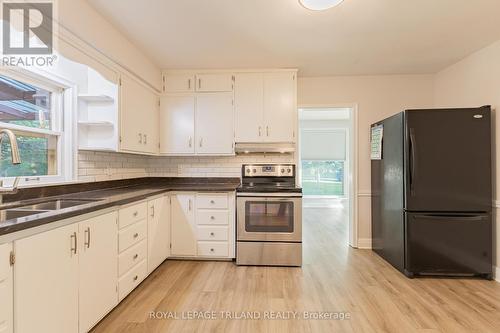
(270, 195)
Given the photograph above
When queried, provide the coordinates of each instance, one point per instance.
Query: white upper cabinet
(265, 105)
(177, 114)
(249, 106)
(138, 117)
(214, 82)
(280, 111)
(214, 123)
(176, 83)
(6, 290)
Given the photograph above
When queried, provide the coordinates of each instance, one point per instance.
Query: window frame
(64, 103)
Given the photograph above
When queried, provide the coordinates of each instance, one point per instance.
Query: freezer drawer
(448, 244)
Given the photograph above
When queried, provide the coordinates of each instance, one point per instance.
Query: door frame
(353, 162)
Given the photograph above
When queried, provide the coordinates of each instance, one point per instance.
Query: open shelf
(95, 123)
(96, 98)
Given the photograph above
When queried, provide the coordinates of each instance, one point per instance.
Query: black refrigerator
(431, 177)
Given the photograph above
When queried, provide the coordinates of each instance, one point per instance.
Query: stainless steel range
(269, 216)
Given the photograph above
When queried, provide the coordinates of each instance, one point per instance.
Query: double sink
(41, 207)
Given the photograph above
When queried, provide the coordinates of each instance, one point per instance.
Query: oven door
(264, 218)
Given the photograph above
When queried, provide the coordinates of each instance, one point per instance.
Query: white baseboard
(497, 273)
(365, 243)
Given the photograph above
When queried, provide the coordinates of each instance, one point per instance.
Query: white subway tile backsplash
(99, 166)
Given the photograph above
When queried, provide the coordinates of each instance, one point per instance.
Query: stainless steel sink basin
(9, 214)
(56, 204)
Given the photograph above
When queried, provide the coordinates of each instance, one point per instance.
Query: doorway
(326, 165)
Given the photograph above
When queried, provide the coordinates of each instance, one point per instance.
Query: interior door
(98, 268)
(448, 160)
(449, 243)
(46, 282)
(214, 123)
(177, 124)
(249, 106)
(158, 231)
(183, 227)
(280, 112)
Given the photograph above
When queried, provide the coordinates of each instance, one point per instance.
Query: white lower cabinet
(203, 225)
(65, 279)
(158, 231)
(6, 290)
(46, 282)
(183, 237)
(98, 269)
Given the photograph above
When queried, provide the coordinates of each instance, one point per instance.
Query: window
(33, 106)
(323, 178)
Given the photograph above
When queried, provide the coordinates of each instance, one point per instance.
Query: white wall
(472, 82)
(376, 98)
(85, 22)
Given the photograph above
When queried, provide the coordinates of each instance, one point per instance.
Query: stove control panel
(268, 170)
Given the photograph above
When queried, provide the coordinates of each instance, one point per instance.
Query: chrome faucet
(16, 159)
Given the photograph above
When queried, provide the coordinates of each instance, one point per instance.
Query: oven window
(266, 216)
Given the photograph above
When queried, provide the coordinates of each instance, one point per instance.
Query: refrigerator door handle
(456, 217)
(412, 160)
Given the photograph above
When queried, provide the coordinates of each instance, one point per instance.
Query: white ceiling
(357, 37)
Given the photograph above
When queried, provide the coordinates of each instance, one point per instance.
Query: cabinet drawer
(213, 249)
(132, 235)
(129, 281)
(206, 233)
(212, 217)
(130, 215)
(214, 201)
(132, 256)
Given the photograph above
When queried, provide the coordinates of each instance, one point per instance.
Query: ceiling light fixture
(319, 4)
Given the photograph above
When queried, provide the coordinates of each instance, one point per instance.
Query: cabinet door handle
(190, 204)
(87, 238)
(74, 244)
(136, 213)
(136, 277)
(152, 211)
(267, 130)
(260, 131)
(212, 234)
(145, 139)
(212, 217)
(199, 83)
(136, 235)
(190, 142)
(189, 84)
(140, 138)
(136, 256)
(212, 202)
(201, 142)
(212, 250)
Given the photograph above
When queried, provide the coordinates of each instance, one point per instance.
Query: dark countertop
(105, 195)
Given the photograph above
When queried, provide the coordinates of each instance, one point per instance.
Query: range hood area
(277, 148)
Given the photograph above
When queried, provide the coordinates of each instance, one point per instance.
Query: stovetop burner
(268, 178)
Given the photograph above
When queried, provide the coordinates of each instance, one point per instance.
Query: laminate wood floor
(334, 278)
